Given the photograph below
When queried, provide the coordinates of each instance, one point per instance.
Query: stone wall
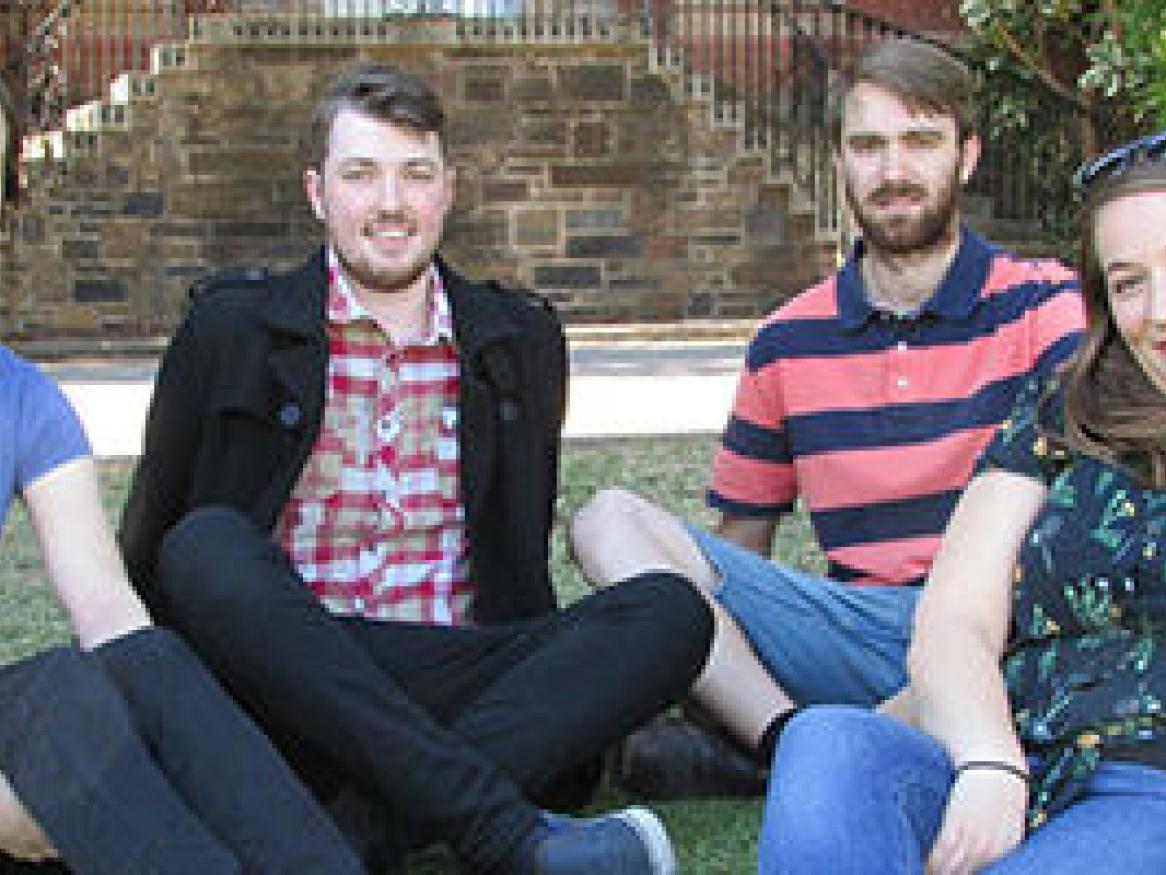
(583, 171)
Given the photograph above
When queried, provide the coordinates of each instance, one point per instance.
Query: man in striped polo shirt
(868, 397)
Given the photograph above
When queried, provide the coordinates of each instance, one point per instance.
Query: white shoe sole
(652, 833)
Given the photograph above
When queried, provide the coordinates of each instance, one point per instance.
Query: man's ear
(970, 151)
(314, 189)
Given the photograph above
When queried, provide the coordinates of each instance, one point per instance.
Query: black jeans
(134, 760)
(452, 730)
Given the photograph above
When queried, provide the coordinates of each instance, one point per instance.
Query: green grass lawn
(711, 836)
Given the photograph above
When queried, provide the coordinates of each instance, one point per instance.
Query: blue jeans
(853, 792)
(133, 760)
(824, 642)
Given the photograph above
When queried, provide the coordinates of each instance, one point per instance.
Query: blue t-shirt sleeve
(1021, 444)
(47, 431)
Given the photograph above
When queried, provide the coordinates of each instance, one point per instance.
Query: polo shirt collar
(955, 298)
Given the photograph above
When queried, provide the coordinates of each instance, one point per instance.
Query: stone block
(716, 239)
(622, 174)
(231, 230)
(504, 190)
(544, 132)
(472, 128)
(77, 250)
(487, 230)
(594, 82)
(567, 276)
(536, 227)
(93, 291)
(532, 90)
(595, 218)
(485, 91)
(592, 139)
(603, 246)
(146, 204)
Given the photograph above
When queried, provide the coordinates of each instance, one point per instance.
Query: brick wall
(584, 172)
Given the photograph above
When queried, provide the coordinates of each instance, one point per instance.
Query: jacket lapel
(297, 360)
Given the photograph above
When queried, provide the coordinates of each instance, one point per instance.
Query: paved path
(619, 388)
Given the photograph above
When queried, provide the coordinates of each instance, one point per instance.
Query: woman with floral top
(1038, 669)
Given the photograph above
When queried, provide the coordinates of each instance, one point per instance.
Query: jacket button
(290, 415)
(508, 410)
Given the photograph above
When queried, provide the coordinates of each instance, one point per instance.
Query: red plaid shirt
(375, 525)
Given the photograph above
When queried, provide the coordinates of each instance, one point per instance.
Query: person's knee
(194, 539)
(836, 726)
(678, 625)
(596, 525)
(151, 646)
(199, 555)
(618, 535)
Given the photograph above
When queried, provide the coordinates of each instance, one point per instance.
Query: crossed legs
(452, 730)
(781, 636)
(618, 535)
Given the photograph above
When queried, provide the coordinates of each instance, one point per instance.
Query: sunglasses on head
(1144, 150)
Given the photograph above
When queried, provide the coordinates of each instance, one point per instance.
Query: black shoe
(672, 758)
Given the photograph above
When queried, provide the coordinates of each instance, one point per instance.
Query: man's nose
(894, 161)
(388, 191)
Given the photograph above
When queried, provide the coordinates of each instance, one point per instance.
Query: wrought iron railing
(765, 66)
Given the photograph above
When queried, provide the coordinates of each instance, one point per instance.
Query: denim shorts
(823, 641)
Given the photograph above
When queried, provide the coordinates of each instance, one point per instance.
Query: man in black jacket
(344, 503)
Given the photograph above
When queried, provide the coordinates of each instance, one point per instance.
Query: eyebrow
(1112, 266)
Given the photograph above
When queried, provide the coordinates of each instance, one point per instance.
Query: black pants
(133, 760)
(453, 730)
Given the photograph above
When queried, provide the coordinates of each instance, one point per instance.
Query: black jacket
(240, 396)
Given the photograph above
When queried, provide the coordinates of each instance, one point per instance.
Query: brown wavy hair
(1112, 409)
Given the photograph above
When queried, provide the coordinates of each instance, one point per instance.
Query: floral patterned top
(1085, 674)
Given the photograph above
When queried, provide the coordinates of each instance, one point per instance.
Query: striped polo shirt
(876, 420)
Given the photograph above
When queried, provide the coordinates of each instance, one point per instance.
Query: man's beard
(902, 237)
(383, 281)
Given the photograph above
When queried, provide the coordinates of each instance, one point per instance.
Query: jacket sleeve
(159, 492)
(558, 370)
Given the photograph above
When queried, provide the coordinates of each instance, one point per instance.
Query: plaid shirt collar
(344, 308)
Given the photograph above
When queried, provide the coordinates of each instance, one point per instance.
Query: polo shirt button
(901, 382)
(290, 415)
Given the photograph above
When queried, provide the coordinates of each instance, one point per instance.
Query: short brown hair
(382, 91)
(923, 75)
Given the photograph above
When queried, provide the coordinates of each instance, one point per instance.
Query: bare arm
(958, 691)
(87, 573)
(752, 533)
(20, 835)
(80, 555)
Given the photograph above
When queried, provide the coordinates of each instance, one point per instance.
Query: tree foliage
(1105, 58)
(1065, 79)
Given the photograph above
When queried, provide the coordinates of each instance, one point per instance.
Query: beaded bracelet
(996, 766)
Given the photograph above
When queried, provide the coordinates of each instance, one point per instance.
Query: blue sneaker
(632, 841)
